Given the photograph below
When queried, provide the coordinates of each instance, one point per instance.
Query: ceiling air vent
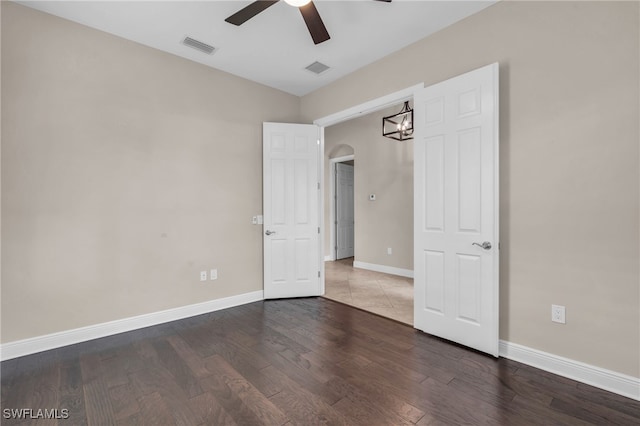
(198, 45)
(317, 67)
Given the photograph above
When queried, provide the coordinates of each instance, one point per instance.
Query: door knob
(486, 245)
(267, 232)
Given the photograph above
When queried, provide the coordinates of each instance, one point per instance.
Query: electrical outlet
(214, 274)
(389, 250)
(558, 314)
(203, 275)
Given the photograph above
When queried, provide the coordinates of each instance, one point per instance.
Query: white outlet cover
(214, 274)
(372, 197)
(558, 314)
(203, 275)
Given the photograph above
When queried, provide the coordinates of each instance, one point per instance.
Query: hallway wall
(383, 167)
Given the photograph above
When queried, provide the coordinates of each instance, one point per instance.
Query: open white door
(456, 209)
(344, 211)
(291, 196)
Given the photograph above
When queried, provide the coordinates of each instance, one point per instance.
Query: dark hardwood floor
(299, 361)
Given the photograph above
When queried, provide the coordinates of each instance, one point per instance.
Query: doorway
(341, 207)
(377, 276)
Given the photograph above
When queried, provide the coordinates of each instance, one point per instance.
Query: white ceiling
(274, 47)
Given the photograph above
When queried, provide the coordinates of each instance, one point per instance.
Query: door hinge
(318, 185)
(318, 274)
(318, 229)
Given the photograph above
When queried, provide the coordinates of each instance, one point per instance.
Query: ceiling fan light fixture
(297, 3)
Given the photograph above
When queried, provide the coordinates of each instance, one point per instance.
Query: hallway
(387, 295)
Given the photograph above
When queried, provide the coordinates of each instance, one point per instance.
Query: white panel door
(456, 209)
(291, 196)
(344, 211)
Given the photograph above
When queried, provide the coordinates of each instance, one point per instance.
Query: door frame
(355, 111)
(332, 202)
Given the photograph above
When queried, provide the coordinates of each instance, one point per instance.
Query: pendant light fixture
(399, 126)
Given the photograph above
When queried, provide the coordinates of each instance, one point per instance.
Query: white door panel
(291, 210)
(344, 211)
(456, 205)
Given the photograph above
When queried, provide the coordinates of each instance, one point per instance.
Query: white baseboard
(383, 268)
(328, 258)
(611, 381)
(55, 340)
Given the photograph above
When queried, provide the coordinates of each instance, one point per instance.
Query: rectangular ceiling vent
(198, 45)
(317, 68)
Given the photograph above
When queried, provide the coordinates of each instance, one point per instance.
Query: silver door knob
(267, 232)
(486, 245)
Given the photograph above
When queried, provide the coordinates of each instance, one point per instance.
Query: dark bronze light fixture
(399, 126)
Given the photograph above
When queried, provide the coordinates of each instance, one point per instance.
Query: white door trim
(369, 106)
(343, 158)
(332, 202)
(321, 209)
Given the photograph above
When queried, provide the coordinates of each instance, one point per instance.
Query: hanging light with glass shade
(399, 126)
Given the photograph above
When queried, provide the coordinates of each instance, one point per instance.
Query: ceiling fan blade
(314, 23)
(243, 15)
(387, 1)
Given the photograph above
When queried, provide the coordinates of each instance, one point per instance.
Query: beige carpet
(388, 295)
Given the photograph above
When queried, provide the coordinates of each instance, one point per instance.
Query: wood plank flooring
(294, 362)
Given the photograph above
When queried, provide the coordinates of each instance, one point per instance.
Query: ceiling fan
(308, 10)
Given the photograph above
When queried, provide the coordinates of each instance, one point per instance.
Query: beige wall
(569, 139)
(125, 171)
(383, 167)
